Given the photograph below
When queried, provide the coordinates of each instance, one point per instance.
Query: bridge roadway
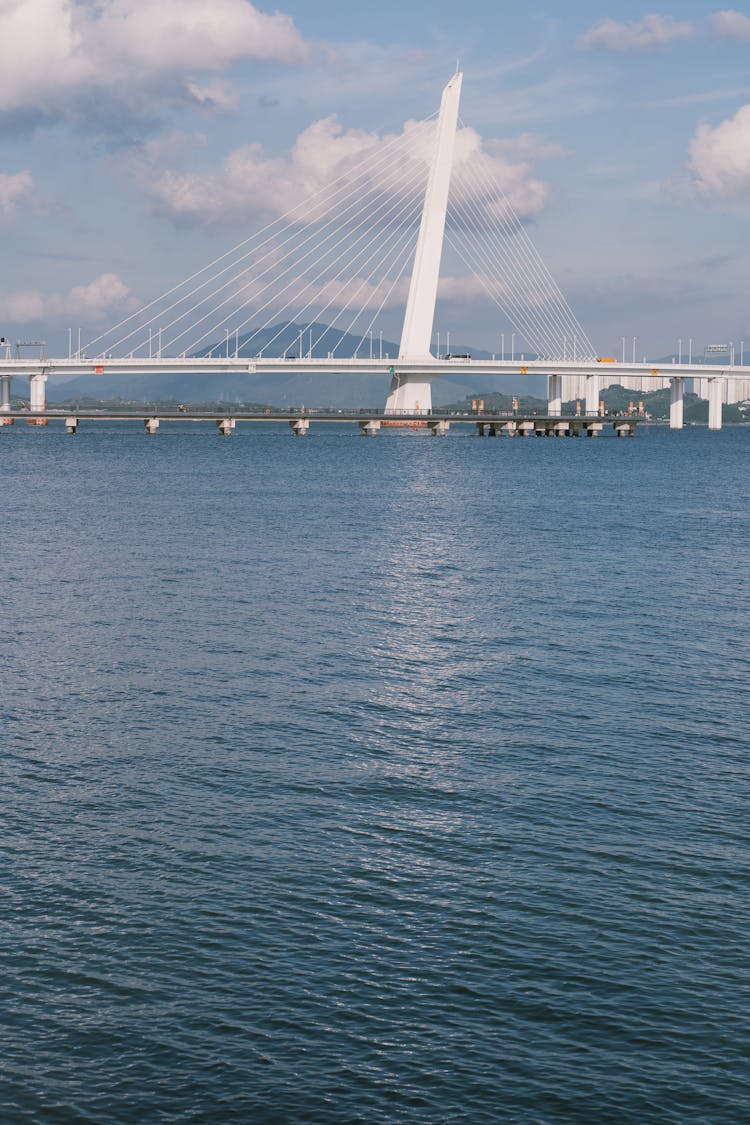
(370, 422)
(430, 367)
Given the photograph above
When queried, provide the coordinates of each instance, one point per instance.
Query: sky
(141, 139)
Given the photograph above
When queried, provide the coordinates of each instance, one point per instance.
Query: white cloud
(638, 35)
(731, 24)
(218, 97)
(13, 189)
(719, 156)
(251, 183)
(59, 54)
(106, 295)
(530, 146)
(468, 289)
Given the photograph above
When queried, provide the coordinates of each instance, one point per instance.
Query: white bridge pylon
(414, 393)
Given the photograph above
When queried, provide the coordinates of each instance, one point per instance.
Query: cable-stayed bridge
(373, 239)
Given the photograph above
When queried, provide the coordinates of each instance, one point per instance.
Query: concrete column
(225, 426)
(593, 388)
(594, 429)
(151, 425)
(676, 402)
(526, 429)
(625, 429)
(554, 395)
(5, 394)
(71, 425)
(299, 427)
(715, 396)
(510, 429)
(370, 428)
(37, 397)
(480, 429)
(561, 429)
(439, 429)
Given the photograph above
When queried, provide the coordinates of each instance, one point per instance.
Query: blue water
(393, 780)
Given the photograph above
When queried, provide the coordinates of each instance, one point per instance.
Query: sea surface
(389, 780)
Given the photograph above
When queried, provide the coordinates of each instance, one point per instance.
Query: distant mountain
(287, 388)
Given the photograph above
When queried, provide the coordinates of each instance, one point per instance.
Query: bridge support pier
(715, 396)
(5, 394)
(625, 429)
(592, 395)
(439, 429)
(676, 402)
(37, 396)
(480, 429)
(299, 427)
(594, 429)
(151, 425)
(225, 426)
(369, 428)
(409, 395)
(554, 395)
(525, 429)
(71, 425)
